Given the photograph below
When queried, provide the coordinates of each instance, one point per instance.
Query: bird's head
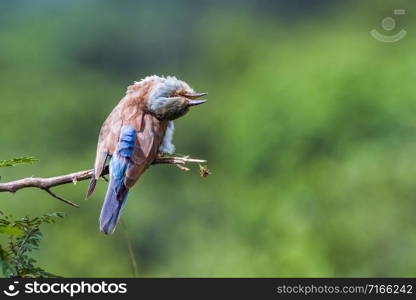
(171, 98)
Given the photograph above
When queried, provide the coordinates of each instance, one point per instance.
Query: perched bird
(138, 129)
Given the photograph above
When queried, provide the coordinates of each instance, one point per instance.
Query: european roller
(138, 129)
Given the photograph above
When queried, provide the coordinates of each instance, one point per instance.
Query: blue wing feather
(116, 196)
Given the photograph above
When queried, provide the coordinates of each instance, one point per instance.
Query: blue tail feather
(116, 196)
(114, 202)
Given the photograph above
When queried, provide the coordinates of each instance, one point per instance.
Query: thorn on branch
(182, 167)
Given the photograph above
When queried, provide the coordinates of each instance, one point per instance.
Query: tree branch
(47, 183)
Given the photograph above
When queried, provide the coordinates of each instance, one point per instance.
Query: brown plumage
(145, 110)
(131, 110)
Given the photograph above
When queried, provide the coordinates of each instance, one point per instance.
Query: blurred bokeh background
(310, 133)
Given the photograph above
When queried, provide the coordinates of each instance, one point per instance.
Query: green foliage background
(309, 131)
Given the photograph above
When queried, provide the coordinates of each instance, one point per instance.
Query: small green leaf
(12, 230)
(17, 161)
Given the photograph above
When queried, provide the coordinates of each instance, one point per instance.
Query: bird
(138, 130)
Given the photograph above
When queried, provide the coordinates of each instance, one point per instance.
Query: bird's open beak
(196, 102)
(194, 95)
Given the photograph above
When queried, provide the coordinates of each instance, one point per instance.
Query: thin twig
(60, 198)
(47, 183)
(130, 248)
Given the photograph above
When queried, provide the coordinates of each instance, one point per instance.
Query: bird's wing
(108, 139)
(136, 149)
(107, 142)
(149, 134)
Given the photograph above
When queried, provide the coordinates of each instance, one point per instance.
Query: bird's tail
(114, 203)
(115, 199)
